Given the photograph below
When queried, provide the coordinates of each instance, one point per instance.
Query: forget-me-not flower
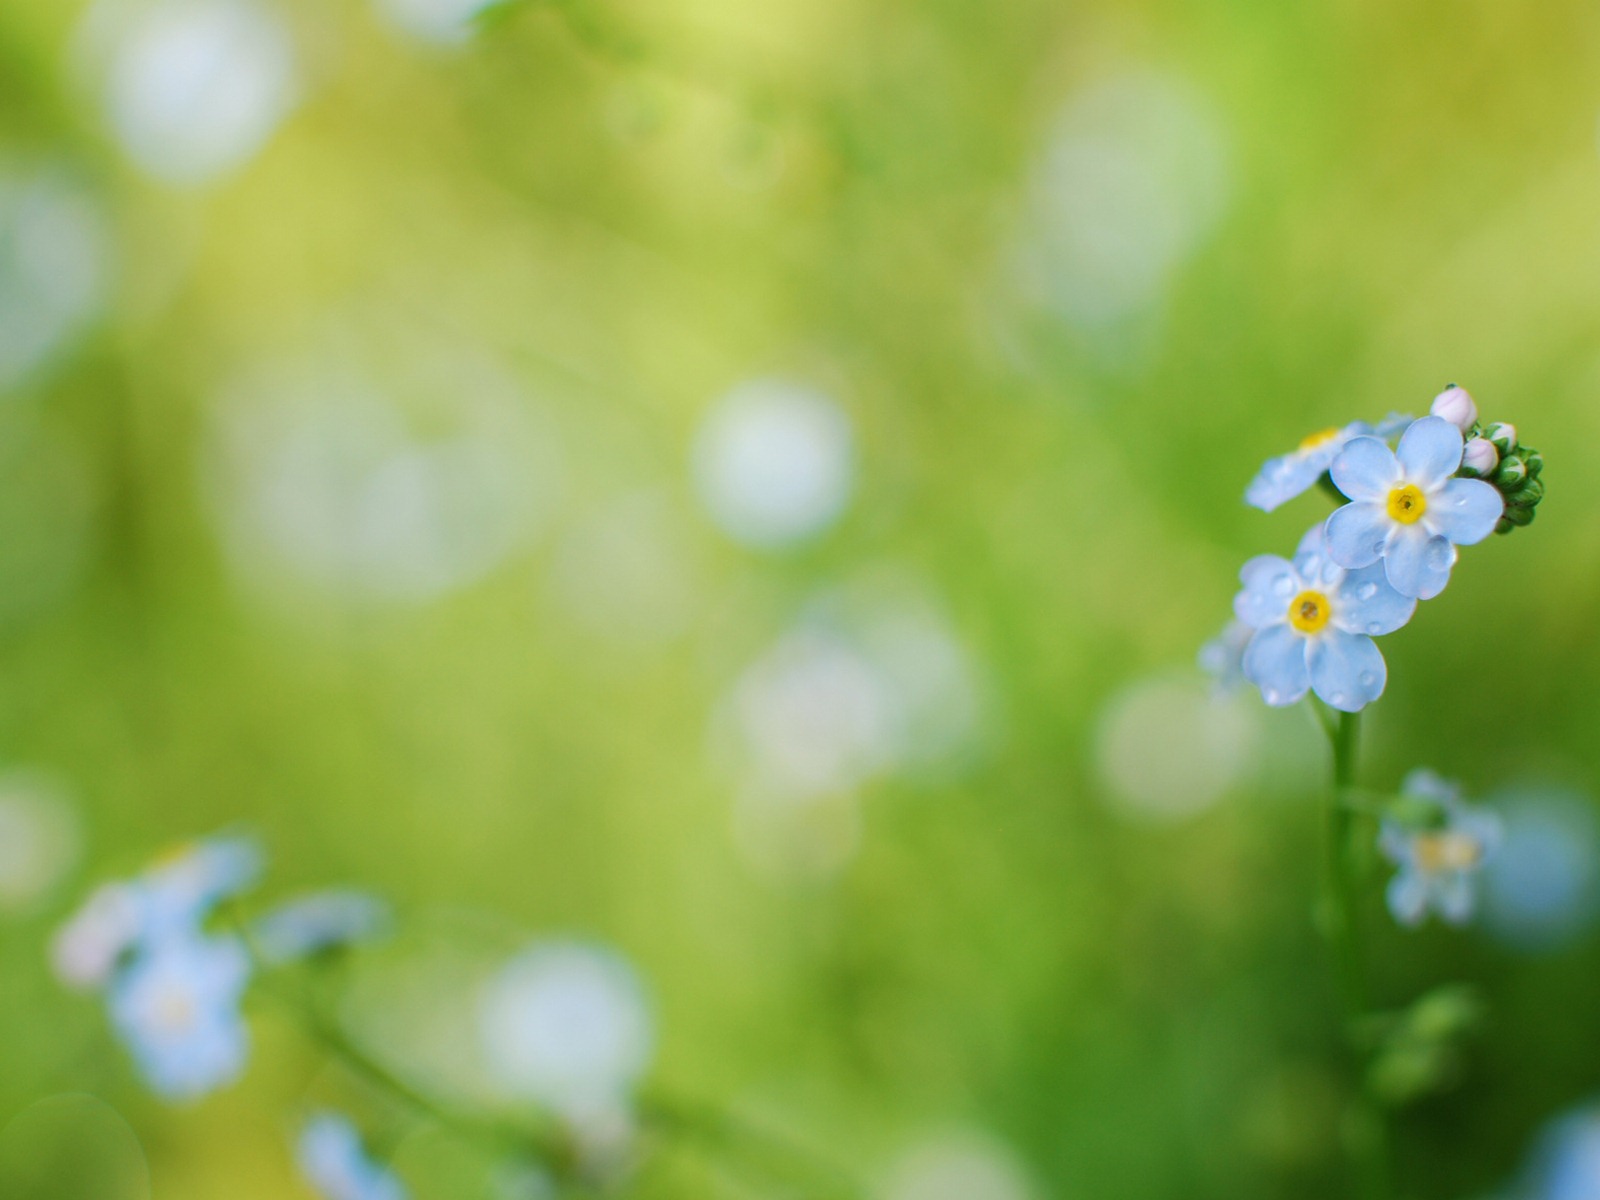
(1408, 509)
(319, 922)
(1437, 864)
(1283, 478)
(1565, 1164)
(1222, 657)
(177, 1008)
(333, 1159)
(1314, 623)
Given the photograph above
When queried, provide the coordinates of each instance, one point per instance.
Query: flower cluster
(173, 985)
(173, 988)
(1392, 542)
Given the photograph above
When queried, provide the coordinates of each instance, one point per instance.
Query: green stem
(1367, 1135)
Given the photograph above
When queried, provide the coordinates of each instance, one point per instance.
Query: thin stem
(1367, 1135)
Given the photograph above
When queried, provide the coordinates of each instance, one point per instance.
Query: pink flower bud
(1455, 406)
(1480, 457)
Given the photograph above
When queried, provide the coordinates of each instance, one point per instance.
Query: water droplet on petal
(1377, 547)
(1374, 628)
(1366, 591)
(1284, 586)
(1338, 699)
(1369, 679)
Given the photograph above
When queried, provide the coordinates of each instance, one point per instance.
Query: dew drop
(1374, 628)
(1284, 586)
(1272, 695)
(1377, 547)
(1366, 591)
(1369, 679)
(1338, 699)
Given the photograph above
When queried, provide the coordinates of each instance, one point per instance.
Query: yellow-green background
(829, 190)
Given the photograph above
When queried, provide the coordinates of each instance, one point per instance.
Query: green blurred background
(746, 483)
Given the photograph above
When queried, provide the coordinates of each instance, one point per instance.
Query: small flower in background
(1565, 1164)
(441, 22)
(1542, 888)
(1283, 478)
(1439, 857)
(1314, 623)
(177, 1008)
(87, 947)
(567, 1025)
(318, 923)
(1222, 657)
(183, 887)
(1407, 507)
(334, 1160)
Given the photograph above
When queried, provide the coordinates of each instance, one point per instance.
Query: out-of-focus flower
(1456, 406)
(1314, 623)
(774, 462)
(1222, 657)
(1283, 478)
(170, 899)
(1542, 889)
(318, 923)
(1438, 861)
(177, 1008)
(181, 889)
(192, 89)
(87, 948)
(567, 1024)
(335, 1162)
(1407, 507)
(1565, 1164)
(53, 269)
(442, 22)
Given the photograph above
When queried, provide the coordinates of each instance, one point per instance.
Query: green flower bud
(1526, 496)
(1533, 460)
(1510, 474)
(1518, 516)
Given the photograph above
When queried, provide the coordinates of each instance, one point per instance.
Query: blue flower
(1314, 623)
(1566, 1161)
(180, 890)
(319, 922)
(1407, 509)
(333, 1159)
(177, 1008)
(1438, 862)
(1283, 478)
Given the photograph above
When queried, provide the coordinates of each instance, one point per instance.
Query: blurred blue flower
(1407, 509)
(1565, 1164)
(333, 1159)
(177, 1008)
(1438, 863)
(1542, 889)
(180, 890)
(1314, 623)
(1283, 478)
(170, 899)
(318, 922)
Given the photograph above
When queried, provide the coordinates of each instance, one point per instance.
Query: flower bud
(1503, 435)
(1526, 496)
(1480, 457)
(1519, 516)
(1510, 474)
(1455, 406)
(1534, 461)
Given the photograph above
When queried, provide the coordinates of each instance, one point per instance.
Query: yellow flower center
(174, 1010)
(1446, 852)
(1407, 504)
(1320, 438)
(1309, 612)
